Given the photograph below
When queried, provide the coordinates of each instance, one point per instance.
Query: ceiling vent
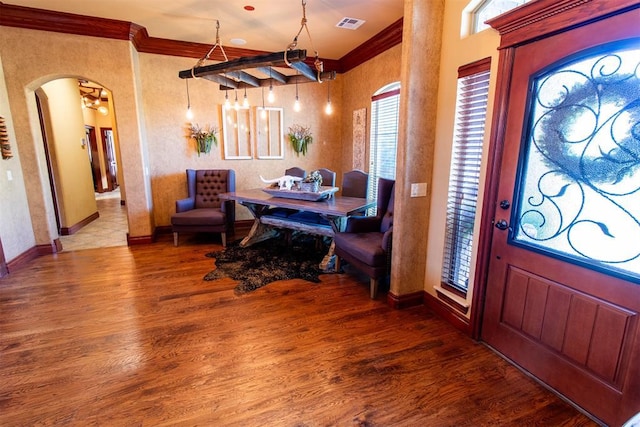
(350, 23)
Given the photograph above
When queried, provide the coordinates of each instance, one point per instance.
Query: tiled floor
(110, 229)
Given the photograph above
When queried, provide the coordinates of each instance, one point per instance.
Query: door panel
(566, 310)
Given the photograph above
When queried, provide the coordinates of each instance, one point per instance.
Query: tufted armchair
(203, 211)
(366, 241)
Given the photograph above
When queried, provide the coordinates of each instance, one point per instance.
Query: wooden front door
(563, 287)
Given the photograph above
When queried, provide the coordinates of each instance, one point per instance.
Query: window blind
(464, 176)
(384, 137)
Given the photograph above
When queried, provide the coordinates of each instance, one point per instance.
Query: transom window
(488, 9)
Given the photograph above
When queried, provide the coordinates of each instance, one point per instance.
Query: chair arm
(187, 204)
(387, 240)
(362, 224)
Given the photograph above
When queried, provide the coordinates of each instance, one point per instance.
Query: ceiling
(270, 26)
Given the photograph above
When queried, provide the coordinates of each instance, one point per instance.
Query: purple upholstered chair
(366, 241)
(355, 183)
(203, 210)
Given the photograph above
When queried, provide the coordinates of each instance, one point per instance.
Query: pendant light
(271, 97)
(328, 109)
(263, 112)
(227, 103)
(189, 112)
(245, 101)
(296, 104)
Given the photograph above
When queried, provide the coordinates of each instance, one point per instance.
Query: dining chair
(296, 171)
(328, 177)
(355, 183)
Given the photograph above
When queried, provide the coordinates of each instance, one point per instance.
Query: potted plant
(204, 138)
(300, 138)
(311, 182)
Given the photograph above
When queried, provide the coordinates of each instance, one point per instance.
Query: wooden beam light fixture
(234, 74)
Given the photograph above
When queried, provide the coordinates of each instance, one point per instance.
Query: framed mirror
(236, 133)
(269, 132)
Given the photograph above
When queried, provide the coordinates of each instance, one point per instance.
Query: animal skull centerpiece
(284, 182)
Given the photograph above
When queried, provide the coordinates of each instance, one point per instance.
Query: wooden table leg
(328, 263)
(258, 233)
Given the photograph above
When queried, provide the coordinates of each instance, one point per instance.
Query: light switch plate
(418, 189)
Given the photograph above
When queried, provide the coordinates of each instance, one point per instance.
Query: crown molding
(68, 23)
(385, 39)
(544, 17)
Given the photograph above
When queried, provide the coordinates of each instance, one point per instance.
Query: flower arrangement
(204, 137)
(300, 138)
(311, 182)
(313, 177)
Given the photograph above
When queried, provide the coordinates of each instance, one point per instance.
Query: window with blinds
(385, 105)
(464, 176)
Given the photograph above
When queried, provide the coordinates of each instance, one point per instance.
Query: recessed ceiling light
(238, 42)
(249, 7)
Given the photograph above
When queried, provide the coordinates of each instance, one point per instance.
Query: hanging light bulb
(263, 112)
(271, 97)
(227, 103)
(236, 105)
(296, 105)
(245, 101)
(328, 109)
(189, 112)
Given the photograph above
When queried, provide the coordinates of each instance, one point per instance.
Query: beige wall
(16, 233)
(74, 183)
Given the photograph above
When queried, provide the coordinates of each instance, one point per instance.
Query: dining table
(274, 210)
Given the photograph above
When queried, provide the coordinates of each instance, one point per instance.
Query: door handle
(502, 224)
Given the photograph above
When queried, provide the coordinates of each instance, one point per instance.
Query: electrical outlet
(9, 176)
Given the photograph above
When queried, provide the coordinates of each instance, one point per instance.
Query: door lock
(502, 224)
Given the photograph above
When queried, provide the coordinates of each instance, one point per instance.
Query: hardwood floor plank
(135, 336)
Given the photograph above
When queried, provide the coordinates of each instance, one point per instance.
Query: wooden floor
(134, 336)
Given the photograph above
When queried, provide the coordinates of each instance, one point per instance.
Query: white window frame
(383, 142)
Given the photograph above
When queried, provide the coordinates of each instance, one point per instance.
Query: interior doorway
(88, 202)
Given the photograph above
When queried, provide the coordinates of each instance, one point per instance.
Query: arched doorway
(80, 142)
